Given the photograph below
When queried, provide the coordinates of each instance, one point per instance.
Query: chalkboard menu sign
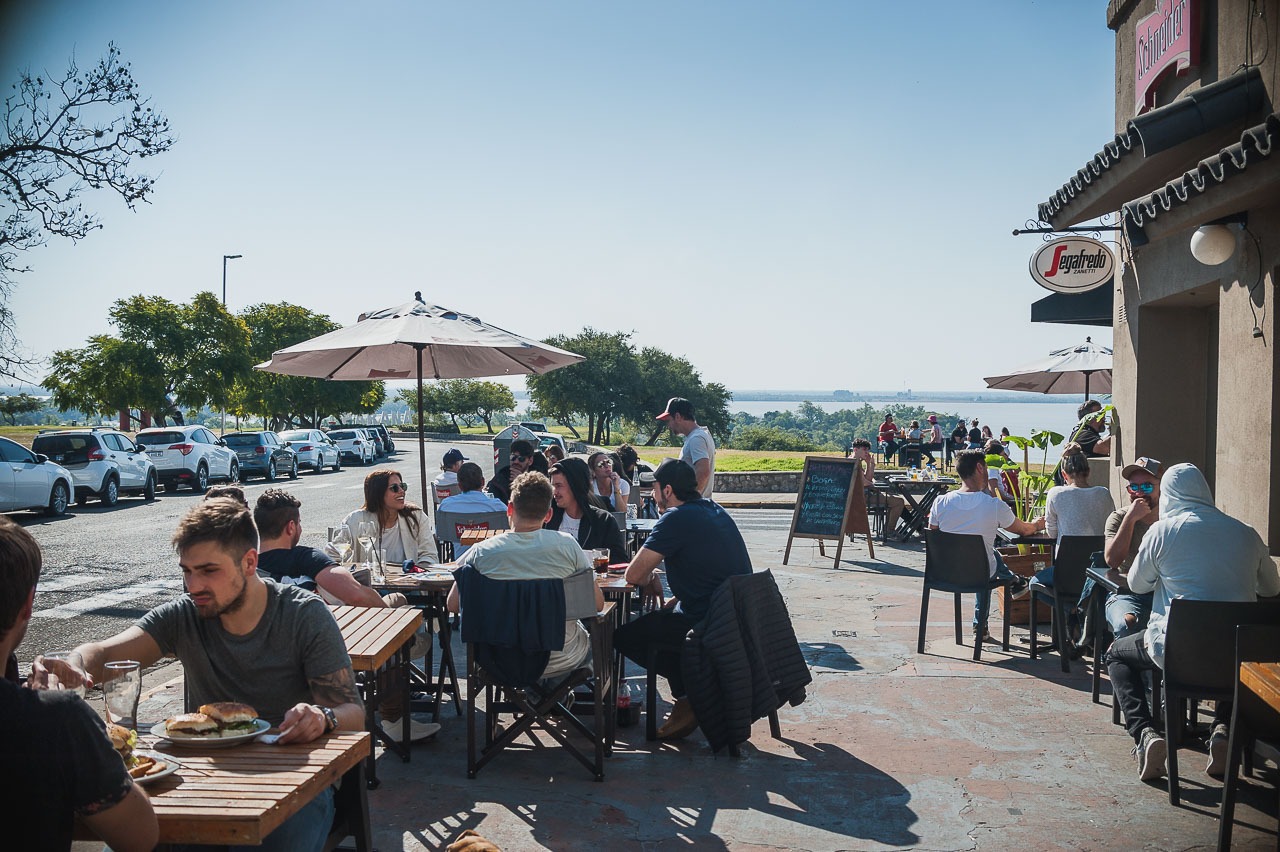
(830, 504)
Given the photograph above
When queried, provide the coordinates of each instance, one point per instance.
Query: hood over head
(1183, 489)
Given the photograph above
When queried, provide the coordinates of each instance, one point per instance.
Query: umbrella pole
(422, 440)
(1086, 385)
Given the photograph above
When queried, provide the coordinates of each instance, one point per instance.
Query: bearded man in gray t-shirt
(243, 638)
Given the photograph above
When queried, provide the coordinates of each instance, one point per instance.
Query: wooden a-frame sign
(831, 504)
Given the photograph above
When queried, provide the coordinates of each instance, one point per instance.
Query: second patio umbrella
(1076, 369)
(416, 341)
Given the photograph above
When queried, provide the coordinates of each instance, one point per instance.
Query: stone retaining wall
(756, 482)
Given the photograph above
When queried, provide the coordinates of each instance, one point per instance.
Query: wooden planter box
(1025, 566)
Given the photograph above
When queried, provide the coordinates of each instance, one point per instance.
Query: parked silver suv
(189, 455)
(104, 463)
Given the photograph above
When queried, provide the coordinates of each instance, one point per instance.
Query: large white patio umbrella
(1064, 371)
(417, 340)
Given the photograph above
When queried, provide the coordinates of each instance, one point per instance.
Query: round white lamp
(1213, 244)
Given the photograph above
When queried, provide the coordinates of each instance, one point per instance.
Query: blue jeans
(304, 831)
(1121, 604)
(982, 607)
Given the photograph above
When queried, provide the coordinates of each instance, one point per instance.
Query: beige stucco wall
(1191, 382)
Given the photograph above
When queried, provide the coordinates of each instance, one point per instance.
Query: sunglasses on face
(1144, 488)
(516, 457)
(397, 487)
(604, 464)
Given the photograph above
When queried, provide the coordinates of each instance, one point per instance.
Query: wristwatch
(330, 718)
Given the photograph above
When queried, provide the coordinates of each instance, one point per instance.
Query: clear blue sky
(789, 194)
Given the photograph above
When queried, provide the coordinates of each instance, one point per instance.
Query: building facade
(1194, 163)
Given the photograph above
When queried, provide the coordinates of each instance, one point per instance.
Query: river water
(1021, 417)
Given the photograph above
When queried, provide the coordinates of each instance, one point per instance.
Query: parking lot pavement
(890, 750)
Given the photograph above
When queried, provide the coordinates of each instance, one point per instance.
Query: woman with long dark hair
(404, 531)
(577, 512)
(606, 483)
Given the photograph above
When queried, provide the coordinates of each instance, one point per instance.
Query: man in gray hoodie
(1194, 551)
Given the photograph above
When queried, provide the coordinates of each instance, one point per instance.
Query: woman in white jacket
(405, 531)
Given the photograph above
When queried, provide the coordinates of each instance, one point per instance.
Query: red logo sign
(1072, 265)
(1167, 38)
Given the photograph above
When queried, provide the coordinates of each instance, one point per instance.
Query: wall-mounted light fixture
(1213, 243)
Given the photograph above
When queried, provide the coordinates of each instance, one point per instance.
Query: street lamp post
(225, 258)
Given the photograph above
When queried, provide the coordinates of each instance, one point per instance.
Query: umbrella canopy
(413, 341)
(1077, 369)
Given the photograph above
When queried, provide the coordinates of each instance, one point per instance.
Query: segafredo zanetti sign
(1072, 265)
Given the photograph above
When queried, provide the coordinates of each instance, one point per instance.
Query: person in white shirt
(970, 510)
(448, 476)
(607, 483)
(699, 450)
(1194, 551)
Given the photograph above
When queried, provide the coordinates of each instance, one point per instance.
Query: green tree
(83, 130)
(485, 399)
(294, 401)
(12, 407)
(599, 390)
(166, 358)
(662, 376)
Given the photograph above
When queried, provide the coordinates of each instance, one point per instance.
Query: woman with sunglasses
(606, 483)
(578, 513)
(405, 532)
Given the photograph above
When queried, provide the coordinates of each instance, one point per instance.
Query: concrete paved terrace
(892, 750)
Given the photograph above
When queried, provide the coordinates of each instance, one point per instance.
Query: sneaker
(681, 723)
(1020, 590)
(417, 730)
(1218, 742)
(983, 636)
(1151, 754)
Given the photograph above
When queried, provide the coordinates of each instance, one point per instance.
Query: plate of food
(143, 766)
(217, 725)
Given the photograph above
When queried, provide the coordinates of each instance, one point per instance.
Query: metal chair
(451, 525)
(1069, 564)
(1251, 718)
(1200, 660)
(958, 564)
(508, 675)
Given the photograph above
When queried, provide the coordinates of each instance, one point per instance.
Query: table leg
(402, 655)
(370, 725)
(1099, 600)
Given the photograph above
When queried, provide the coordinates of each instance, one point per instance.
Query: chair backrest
(956, 562)
(1200, 641)
(450, 525)
(620, 518)
(441, 492)
(633, 496)
(1070, 561)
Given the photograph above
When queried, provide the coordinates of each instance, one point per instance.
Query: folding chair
(440, 492)
(451, 525)
(510, 627)
(958, 564)
(1251, 718)
(1069, 564)
(1200, 661)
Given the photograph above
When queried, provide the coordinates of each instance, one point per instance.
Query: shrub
(770, 438)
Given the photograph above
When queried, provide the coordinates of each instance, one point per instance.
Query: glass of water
(63, 667)
(121, 689)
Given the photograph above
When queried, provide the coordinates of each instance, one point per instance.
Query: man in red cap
(699, 450)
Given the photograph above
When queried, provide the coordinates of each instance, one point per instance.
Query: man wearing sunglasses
(521, 455)
(1127, 611)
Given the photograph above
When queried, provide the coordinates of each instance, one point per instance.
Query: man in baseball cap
(1127, 612)
(448, 477)
(699, 450)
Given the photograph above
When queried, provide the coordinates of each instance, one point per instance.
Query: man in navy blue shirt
(701, 547)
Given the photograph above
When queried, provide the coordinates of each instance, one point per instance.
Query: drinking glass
(121, 691)
(340, 545)
(601, 559)
(367, 540)
(53, 662)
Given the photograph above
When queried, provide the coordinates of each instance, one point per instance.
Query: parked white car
(104, 463)
(355, 444)
(314, 449)
(189, 455)
(30, 481)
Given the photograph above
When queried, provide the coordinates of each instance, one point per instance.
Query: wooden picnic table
(239, 795)
(374, 636)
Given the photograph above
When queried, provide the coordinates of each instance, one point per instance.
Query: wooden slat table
(239, 795)
(1256, 712)
(1263, 680)
(374, 636)
(470, 537)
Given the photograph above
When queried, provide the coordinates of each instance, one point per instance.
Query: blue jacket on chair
(514, 625)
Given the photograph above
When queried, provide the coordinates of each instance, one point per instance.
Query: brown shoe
(681, 723)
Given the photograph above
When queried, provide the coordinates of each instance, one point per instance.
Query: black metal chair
(959, 564)
(1251, 718)
(351, 813)
(450, 526)
(508, 675)
(1200, 660)
(1069, 564)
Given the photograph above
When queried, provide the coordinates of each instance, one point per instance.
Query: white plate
(171, 765)
(261, 727)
